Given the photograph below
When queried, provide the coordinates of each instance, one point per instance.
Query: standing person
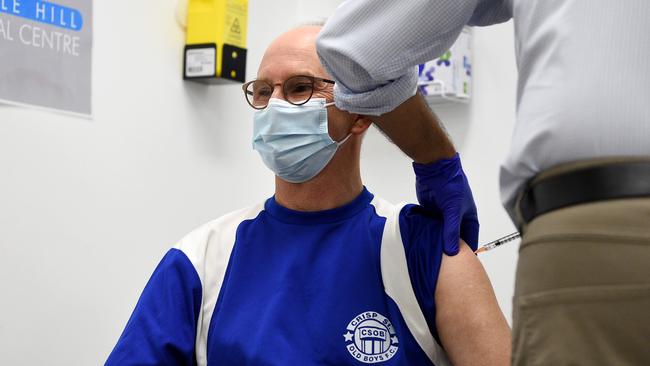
(323, 272)
(577, 178)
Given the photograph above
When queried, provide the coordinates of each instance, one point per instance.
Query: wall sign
(46, 54)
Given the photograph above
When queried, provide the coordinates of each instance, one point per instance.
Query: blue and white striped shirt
(269, 286)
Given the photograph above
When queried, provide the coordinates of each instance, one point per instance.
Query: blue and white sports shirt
(267, 285)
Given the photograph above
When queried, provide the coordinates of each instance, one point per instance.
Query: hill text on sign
(44, 12)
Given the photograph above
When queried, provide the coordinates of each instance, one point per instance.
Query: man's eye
(301, 88)
(263, 92)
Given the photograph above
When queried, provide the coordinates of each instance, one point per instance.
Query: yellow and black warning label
(236, 22)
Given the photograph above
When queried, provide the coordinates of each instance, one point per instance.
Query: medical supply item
(442, 188)
(215, 50)
(293, 140)
(449, 77)
(499, 242)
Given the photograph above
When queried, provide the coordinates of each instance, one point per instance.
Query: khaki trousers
(582, 293)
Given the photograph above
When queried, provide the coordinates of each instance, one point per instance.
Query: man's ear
(361, 124)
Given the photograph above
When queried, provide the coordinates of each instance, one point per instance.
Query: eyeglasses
(297, 90)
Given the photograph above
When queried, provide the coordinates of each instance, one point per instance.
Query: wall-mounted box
(449, 77)
(215, 48)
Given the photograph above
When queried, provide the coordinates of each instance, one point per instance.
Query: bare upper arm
(470, 323)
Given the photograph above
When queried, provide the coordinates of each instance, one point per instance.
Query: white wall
(87, 208)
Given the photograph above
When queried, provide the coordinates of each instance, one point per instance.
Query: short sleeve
(422, 238)
(162, 328)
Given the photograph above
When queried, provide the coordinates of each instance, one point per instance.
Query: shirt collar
(318, 217)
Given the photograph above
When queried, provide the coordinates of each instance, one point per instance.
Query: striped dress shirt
(584, 79)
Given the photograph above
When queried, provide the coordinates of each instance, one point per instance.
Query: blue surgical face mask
(293, 141)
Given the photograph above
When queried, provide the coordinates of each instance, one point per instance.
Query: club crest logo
(370, 338)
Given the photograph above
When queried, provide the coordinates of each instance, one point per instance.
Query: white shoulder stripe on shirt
(397, 283)
(209, 248)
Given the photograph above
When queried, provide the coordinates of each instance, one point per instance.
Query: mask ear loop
(346, 138)
(339, 143)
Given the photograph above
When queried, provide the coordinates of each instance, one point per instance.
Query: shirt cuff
(380, 100)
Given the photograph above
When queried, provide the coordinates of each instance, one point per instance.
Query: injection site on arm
(470, 323)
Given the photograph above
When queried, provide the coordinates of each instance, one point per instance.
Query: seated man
(323, 272)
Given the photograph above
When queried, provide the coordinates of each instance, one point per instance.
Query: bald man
(323, 272)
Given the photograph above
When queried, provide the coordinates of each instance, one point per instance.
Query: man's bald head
(292, 53)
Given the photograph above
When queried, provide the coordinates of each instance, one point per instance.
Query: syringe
(498, 242)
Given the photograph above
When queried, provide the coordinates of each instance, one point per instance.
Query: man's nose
(277, 93)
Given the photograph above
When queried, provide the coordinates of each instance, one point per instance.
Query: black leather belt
(597, 183)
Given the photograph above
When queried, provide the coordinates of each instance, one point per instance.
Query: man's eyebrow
(303, 73)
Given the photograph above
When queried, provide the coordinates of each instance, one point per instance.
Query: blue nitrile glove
(442, 188)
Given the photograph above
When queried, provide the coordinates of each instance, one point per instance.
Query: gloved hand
(442, 188)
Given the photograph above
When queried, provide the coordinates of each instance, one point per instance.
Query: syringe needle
(497, 243)
(482, 249)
